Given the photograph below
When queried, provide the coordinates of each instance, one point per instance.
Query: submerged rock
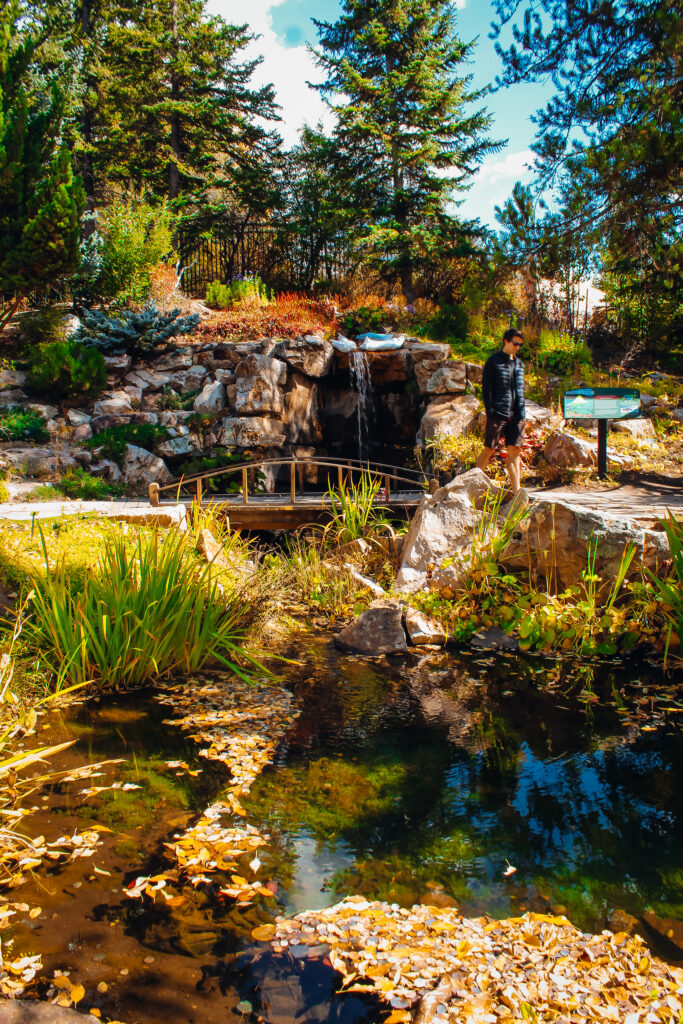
(422, 629)
(379, 630)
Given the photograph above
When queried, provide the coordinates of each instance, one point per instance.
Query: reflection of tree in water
(429, 787)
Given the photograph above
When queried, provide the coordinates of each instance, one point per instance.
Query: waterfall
(362, 384)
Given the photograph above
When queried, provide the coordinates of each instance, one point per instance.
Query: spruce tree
(40, 199)
(394, 80)
(185, 122)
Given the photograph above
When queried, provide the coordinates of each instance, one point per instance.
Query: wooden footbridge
(401, 490)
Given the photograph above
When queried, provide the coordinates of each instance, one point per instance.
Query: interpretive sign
(601, 404)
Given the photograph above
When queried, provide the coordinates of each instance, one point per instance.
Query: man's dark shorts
(512, 430)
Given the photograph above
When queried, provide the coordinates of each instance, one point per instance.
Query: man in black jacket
(503, 393)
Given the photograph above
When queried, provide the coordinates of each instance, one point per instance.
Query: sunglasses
(517, 343)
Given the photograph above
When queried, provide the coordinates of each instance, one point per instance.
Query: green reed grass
(145, 611)
(354, 512)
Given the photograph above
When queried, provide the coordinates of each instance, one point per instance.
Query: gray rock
(640, 428)
(48, 412)
(141, 467)
(379, 630)
(441, 532)
(568, 452)
(77, 418)
(39, 462)
(252, 432)
(310, 356)
(12, 397)
(254, 395)
(224, 376)
(148, 380)
(211, 399)
(449, 416)
(172, 417)
(555, 536)
(301, 413)
(267, 367)
(536, 414)
(448, 379)
(475, 372)
(135, 394)
(422, 629)
(182, 445)
(192, 379)
(12, 379)
(117, 404)
(107, 469)
(119, 364)
(25, 1011)
(176, 359)
(83, 432)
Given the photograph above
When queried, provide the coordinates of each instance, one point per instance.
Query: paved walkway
(644, 503)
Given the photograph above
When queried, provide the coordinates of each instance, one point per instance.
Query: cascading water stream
(361, 381)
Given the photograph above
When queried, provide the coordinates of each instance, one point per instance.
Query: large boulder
(310, 356)
(379, 630)
(252, 432)
(426, 359)
(449, 416)
(438, 544)
(553, 540)
(641, 429)
(566, 451)
(301, 414)
(249, 396)
(211, 399)
(141, 467)
(12, 397)
(175, 446)
(177, 359)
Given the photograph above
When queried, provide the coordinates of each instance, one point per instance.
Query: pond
(493, 783)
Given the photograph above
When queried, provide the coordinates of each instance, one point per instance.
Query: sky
(285, 26)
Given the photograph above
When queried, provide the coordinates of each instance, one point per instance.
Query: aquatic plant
(144, 612)
(354, 512)
(671, 588)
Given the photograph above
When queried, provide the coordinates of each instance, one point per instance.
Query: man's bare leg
(485, 458)
(514, 467)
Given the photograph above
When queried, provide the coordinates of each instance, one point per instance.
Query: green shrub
(132, 238)
(22, 425)
(144, 334)
(4, 493)
(113, 440)
(249, 290)
(67, 369)
(143, 613)
(450, 322)
(364, 319)
(77, 483)
(39, 326)
(44, 492)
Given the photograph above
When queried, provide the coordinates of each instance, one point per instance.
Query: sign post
(601, 404)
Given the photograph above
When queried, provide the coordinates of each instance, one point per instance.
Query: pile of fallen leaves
(239, 725)
(479, 971)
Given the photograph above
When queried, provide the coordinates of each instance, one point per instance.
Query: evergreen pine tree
(394, 69)
(184, 121)
(40, 199)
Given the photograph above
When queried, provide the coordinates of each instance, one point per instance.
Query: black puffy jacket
(503, 387)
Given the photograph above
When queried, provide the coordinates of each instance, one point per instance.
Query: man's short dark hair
(511, 333)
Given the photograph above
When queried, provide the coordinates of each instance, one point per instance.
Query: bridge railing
(297, 467)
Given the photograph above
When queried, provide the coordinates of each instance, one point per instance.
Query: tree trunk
(87, 121)
(173, 167)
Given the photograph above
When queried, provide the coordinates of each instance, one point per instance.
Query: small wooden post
(199, 493)
(340, 477)
(245, 486)
(387, 486)
(154, 495)
(292, 481)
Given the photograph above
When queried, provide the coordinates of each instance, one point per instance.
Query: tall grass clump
(147, 610)
(354, 512)
(671, 588)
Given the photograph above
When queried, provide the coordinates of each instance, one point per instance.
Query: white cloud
(289, 68)
(460, 4)
(493, 184)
